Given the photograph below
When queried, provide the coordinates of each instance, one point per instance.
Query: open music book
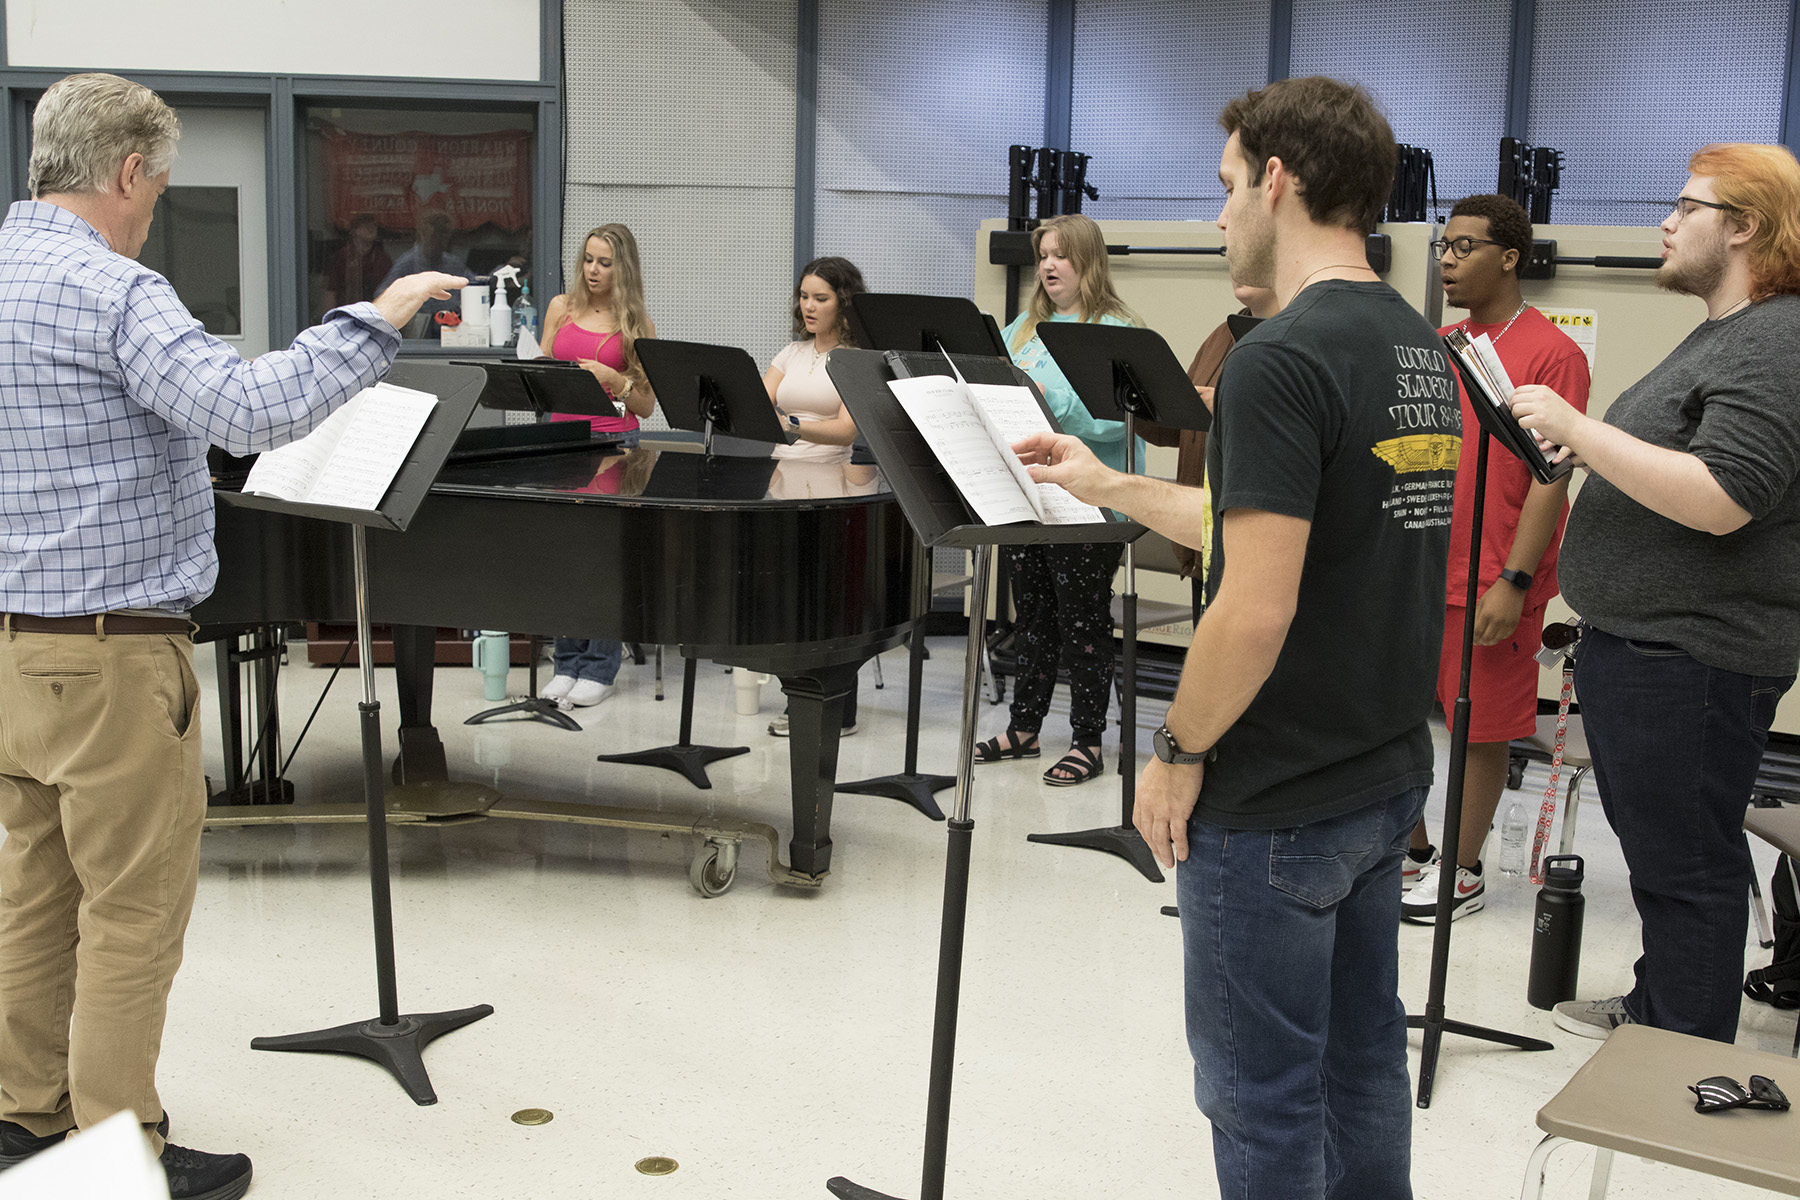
(351, 459)
(971, 428)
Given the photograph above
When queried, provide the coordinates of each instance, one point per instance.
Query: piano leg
(815, 717)
(421, 752)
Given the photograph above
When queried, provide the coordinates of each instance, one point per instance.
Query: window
(193, 244)
(397, 190)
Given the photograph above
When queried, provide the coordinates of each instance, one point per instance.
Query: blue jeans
(1291, 946)
(1675, 745)
(589, 658)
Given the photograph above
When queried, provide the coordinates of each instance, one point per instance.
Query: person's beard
(1699, 269)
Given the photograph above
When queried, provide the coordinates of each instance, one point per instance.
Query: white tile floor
(769, 1039)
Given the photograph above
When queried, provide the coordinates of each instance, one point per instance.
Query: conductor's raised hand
(1555, 421)
(404, 297)
(1062, 458)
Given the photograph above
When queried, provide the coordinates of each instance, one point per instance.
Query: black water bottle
(1556, 933)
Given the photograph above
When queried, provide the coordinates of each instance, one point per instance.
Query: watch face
(1165, 745)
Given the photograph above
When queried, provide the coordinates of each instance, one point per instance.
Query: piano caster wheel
(714, 868)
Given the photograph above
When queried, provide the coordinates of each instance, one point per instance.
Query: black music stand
(707, 389)
(939, 516)
(1434, 1023)
(540, 386)
(710, 389)
(394, 1040)
(1122, 372)
(922, 323)
(892, 321)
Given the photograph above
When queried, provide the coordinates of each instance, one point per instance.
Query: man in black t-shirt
(1295, 759)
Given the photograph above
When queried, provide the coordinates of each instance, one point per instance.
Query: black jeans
(1676, 745)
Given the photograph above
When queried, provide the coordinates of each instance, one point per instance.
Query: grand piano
(799, 569)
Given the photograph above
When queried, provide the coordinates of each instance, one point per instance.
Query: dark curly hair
(1333, 139)
(845, 280)
(1508, 223)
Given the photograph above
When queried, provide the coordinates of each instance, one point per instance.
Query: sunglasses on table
(1722, 1092)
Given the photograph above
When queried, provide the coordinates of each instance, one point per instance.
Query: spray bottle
(500, 328)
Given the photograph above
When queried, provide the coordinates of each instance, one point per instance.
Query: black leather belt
(101, 625)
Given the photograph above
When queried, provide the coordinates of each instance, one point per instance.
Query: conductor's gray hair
(87, 125)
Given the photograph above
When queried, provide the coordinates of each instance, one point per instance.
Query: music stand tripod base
(906, 787)
(1122, 840)
(683, 757)
(399, 1047)
(535, 708)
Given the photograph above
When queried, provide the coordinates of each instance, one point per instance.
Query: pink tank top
(573, 343)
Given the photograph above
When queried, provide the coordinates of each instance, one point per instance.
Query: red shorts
(1503, 678)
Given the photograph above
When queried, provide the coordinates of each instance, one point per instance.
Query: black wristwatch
(1169, 750)
(1518, 579)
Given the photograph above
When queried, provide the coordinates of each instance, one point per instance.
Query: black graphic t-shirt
(1343, 411)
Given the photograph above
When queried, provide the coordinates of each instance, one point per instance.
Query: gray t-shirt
(1729, 395)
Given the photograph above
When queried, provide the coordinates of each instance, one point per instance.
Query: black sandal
(1020, 744)
(1081, 763)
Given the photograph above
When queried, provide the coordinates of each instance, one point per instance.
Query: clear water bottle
(525, 315)
(1515, 840)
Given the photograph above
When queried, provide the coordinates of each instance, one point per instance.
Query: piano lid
(665, 475)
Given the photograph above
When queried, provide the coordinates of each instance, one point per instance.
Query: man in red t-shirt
(1484, 242)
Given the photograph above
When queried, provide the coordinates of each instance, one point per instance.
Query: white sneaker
(557, 688)
(1419, 905)
(588, 692)
(779, 726)
(1410, 867)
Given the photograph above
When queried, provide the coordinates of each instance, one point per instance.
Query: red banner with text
(478, 178)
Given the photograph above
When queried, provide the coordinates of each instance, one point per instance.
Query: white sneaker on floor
(1592, 1018)
(557, 688)
(588, 692)
(1419, 905)
(1410, 867)
(779, 726)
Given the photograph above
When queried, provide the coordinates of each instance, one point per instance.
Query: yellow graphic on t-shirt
(1420, 452)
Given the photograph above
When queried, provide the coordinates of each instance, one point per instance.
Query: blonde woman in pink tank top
(597, 321)
(596, 324)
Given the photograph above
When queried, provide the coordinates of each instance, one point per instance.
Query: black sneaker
(196, 1175)
(18, 1143)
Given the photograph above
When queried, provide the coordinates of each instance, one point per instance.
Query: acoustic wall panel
(1150, 79)
(1437, 68)
(917, 105)
(1630, 89)
(683, 92)
(680, 124)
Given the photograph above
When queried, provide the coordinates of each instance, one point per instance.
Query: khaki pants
(102, 797)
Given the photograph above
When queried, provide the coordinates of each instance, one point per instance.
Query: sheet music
(1013, 414)
(351, 459)
(953, 427)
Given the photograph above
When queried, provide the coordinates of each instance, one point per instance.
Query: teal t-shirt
(1105, 438)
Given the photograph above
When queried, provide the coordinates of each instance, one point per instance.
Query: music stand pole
(956, 908)
(909, 786)
(1122, 839)
(396, 1042)
(1434, 1022)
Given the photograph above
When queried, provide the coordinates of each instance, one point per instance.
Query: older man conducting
(110, 393)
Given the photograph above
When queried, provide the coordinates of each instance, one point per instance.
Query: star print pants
(1062, 615)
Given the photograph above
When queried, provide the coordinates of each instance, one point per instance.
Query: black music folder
(1494, 411)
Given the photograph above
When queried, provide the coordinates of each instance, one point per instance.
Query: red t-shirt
(1533, 351)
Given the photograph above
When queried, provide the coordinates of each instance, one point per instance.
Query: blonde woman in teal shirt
(1062, 595)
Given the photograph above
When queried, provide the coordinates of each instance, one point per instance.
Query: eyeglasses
(1722, 1092)
(1462, 247)
(1684, 207)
